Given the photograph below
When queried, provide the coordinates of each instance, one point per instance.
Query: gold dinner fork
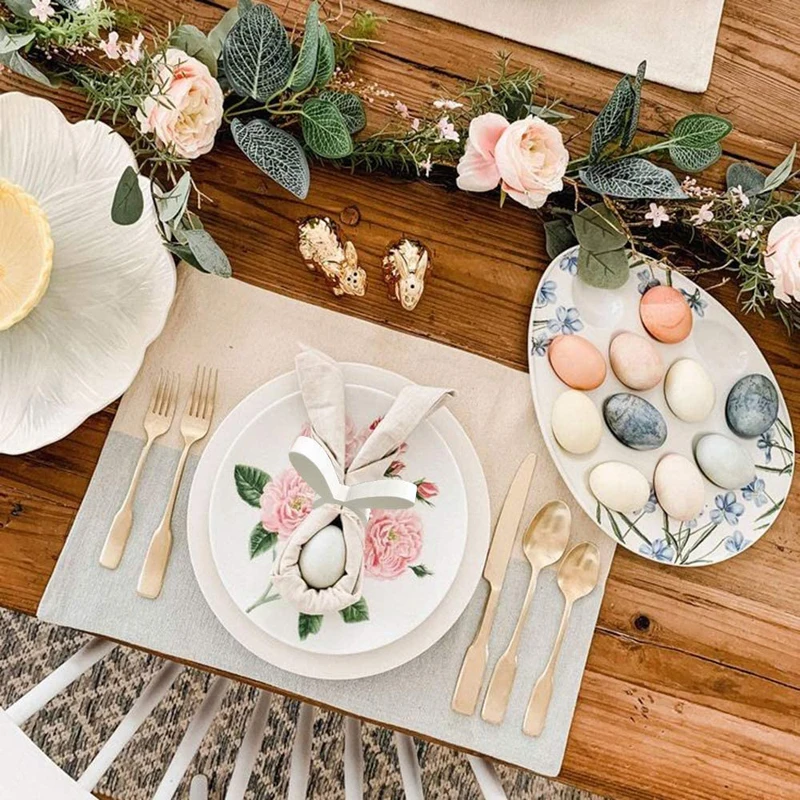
(195, 423)
(156, 423)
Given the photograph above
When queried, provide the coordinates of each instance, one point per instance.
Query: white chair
(26, 773)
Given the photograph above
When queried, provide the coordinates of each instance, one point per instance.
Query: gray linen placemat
(495, 408)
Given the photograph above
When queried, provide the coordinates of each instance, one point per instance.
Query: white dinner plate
(326, 665)
(413, 555)
(730, 520)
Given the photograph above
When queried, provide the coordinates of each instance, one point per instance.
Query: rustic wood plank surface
(692, 688)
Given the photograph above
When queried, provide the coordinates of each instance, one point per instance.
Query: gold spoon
(543, 544)
(577, 576)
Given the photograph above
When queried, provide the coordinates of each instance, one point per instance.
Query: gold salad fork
(156, 423)
(195, 423)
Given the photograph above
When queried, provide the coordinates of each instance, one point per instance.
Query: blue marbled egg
(752, 406)
(635, 422)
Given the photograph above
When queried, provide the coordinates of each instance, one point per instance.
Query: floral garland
(286, 98)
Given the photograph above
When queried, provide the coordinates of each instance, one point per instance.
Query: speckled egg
(689, 391)
(679, 487)
(635, 422)
(752, 406)
(724, 461)
(619, 486)
(635, 361)
(577, 362)
(665, 314)
(576, 423)
(322, 558)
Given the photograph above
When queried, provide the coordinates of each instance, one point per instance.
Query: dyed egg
(576, 423)
(635, 422)
(577, 362)
(665, 314)
(619, 486)
(689, 391)
(679, 487)
(752, 406)
(635, 361)
(322, 558)
(724, 461)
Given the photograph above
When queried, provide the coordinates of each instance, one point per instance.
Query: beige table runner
(676, 37)
(252, 336)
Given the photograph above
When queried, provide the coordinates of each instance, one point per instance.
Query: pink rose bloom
(526, 157)
(184, 109)
(353, 438)
(285, 503)
(782, 259)
(426, 490)
(393, 540)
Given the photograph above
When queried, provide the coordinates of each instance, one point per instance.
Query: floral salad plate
(411, 556)
(731, 520)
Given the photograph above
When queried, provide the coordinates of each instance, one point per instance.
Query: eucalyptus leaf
(128, 203)
(275, 152)
(350, 105)
(172, 204)
(11, 42)
(308, 624)
(195, 44)
(597, 230)
(21, 8)
(781, 173)
(690, 159)
(183, 253)
(324, 129)
(632, 178)
(700, 131)
(611, 121)
(250, 483)
(256, 54)
(604, 270)
(261, 540)
(357, 612)
(218, 34)
(305, 66)
(16, 63)
(559, 237)
(208, 253)
(326, 57)
(745, 176)
(632, 122)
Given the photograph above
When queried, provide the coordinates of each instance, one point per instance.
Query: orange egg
(665, 314)
(577, 362)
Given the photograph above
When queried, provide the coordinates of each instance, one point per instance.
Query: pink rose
(782, 259)
(393, 540)
(426, 490)
(526, 157)
(285, 503)
(184, 109)
(353, 438)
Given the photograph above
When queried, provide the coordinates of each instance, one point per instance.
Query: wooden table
(692, 688)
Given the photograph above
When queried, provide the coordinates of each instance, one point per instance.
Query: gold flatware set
(195, 424)
(543, 545)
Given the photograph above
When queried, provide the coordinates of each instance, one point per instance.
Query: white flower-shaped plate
(731, 520)
(110, 289)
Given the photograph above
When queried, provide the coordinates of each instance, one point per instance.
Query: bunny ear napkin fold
(345, 490)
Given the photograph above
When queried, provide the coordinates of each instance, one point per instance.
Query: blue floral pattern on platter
(731, 521)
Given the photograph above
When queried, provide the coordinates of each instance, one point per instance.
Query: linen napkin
(322, 388)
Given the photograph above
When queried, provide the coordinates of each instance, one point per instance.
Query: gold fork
(156, 423)
(195, 423)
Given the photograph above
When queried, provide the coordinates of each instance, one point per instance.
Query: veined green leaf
(250, 483)
(256, 54)
(128, 203)
(324, 129)
(632, 122)
(605, 270)
(559, 237)
(358, 612)
(305, 66)
(700, 131)
(351, 107)
(275, 152)
(195, 43)
(633, 178)
(781, 173)
(308, 625)
(326, 57)
(208, 253)
(11, 42)
(420, 570)
(261, 540)
(691, 159)
(218, 34)
(598, 230)
(611, 121)
(20, 7)
(16, 63)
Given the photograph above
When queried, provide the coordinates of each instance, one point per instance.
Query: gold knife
(470, 679)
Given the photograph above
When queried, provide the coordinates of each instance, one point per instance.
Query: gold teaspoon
(577, 576)
(543, 544)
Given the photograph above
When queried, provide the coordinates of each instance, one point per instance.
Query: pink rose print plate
(411, 557)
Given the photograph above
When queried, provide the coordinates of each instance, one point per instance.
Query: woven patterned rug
(72, 728)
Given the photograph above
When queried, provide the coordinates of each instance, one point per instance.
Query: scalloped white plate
(111, 286)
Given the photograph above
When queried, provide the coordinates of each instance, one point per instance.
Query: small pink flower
(285, 503)
(415, 123)
(450, 105)
(704, 214)
(446, 129)
(426, 490)
(133, 51)
(393, 540)
(42, 10)
(427, 166)
(110, 46)
(737, 193)
(394, 469)
(657, 214)
(402, 110)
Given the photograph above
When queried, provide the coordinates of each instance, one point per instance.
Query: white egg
(724, 461)
(576, 422)
(689, 391)
(322, 558)
(679, 487)
(619, 486)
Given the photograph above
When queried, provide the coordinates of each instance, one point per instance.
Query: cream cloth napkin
(676, 37)
(323, 390)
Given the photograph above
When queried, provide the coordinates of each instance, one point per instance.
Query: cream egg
(619, 486)
(689, 391)
(322, 558)
(635, 361)
(679, 487)
(576, 422)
